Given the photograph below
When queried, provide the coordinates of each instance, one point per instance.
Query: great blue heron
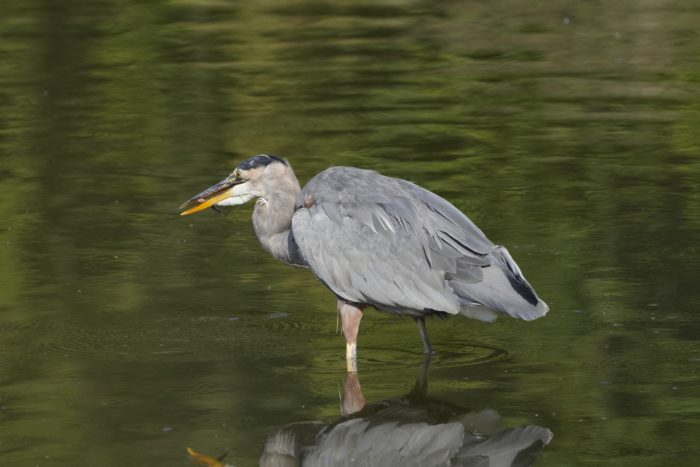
(377, 241)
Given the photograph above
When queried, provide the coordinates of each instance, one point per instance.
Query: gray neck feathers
(272, 217)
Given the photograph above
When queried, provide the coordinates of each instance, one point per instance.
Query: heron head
(245, 183)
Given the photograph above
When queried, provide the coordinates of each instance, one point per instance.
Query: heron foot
(351, 356)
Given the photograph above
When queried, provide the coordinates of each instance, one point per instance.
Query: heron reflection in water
(377, 241)
(412, 430)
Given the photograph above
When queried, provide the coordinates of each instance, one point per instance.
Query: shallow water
(566, 130)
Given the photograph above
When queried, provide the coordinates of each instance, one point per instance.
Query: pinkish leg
(352, 400)
(350, 317)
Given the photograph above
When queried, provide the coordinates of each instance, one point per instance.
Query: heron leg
(352, 400)
(350, 317)
(424, 335)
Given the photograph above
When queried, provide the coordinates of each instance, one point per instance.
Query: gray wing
(392, 244)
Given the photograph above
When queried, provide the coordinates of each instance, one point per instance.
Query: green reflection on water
(567, 131)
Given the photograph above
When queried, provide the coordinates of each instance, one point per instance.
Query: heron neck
(272, 220)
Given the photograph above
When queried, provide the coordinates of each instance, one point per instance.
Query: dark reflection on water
(566, 130)
(410, 430)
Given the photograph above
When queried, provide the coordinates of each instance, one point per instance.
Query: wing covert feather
(392, 244)
(362, 265)
(385, 241)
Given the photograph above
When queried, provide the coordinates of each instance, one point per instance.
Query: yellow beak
(207, 198)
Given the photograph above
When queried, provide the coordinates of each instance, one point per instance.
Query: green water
(568, 131)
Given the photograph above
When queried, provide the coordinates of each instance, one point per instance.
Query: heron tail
(503, 288)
